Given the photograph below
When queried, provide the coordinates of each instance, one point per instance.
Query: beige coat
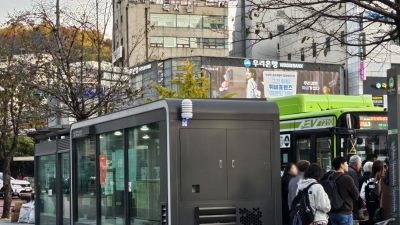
(384, 196)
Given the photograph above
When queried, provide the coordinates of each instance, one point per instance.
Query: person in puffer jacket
(319, 200)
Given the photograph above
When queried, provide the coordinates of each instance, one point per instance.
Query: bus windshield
(372, 144)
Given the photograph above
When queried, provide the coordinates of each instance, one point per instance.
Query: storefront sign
(377, 100)
(189, 8)
(117, 54)
(136, 70)
(280, 83)
(166, 7)
(392, 89)
(272, 64)
(362, 76)
(285, 141)
(269, 82)
(177, 8)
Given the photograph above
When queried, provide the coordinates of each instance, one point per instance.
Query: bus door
(315, 148)
(286, 145)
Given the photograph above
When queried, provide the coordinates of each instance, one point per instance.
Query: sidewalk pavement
(8, 221)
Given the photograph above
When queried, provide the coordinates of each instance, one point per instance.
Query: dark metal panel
(46, 148)
(203, 164)
(63, 144)
(249, 155)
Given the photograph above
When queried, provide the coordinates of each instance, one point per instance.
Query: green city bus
(318, 128)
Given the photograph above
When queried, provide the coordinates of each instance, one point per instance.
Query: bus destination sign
(373, 122)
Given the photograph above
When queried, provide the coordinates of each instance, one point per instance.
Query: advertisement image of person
(251, 88)
(227, 77)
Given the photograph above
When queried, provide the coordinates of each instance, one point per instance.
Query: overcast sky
(18, 5)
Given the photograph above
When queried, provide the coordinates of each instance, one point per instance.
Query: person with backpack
(292, 188)
(370, 190)
(313, 193)
(354, 167)
(342, 192)
(290, 172)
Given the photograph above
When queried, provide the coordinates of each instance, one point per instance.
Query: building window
(169, 42)
(302, 54)
(213, 22)
(328, 44)
(163, 20)
(363, 48)
(156, 41)
(121, 19)
(196, 42)
(209, 43)
(314, 49)
(196, 21)
(342, 38)
(182, 20)
(361, 22)
(183, 42)
(122, 41)
(220, 43)
(281, 28)
(289, 56)
(117, 24)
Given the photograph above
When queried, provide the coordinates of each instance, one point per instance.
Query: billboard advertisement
(270, 82)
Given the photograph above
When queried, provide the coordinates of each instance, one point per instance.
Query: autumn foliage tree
(19, 103)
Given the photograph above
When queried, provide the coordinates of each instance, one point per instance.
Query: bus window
(303, 150)
(372, 144)
(324, 145)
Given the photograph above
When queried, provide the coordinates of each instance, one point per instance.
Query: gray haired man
(354, 167)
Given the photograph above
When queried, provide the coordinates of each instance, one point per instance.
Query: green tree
(189, 85)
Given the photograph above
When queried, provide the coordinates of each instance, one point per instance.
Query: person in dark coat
(354, 167)
(292, 188)
(367, 168)
(290, 172)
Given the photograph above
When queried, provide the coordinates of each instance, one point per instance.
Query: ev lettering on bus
(315, 123)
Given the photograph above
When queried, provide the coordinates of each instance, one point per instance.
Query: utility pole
(58, 46)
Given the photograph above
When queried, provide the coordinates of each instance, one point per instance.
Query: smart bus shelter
(146, 165)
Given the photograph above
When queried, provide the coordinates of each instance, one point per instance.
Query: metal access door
(249, 174)
(219, 164)
(203, 164)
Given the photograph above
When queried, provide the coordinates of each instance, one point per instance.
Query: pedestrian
(367, 168)
(354, 167)
(369, 186)
(319, 200)
(384, 195)
(347, 191)
(19, 177)
(292, 188)
(289, 173)
(370, 158)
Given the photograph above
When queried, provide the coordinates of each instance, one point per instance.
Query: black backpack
(331, 190)
(374, 190)
(301, 210)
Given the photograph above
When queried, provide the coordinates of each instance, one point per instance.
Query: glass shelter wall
(86, 180)
(47, 189)
(65, 188)
(109, 152)
(144, 174)
(111, 160)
